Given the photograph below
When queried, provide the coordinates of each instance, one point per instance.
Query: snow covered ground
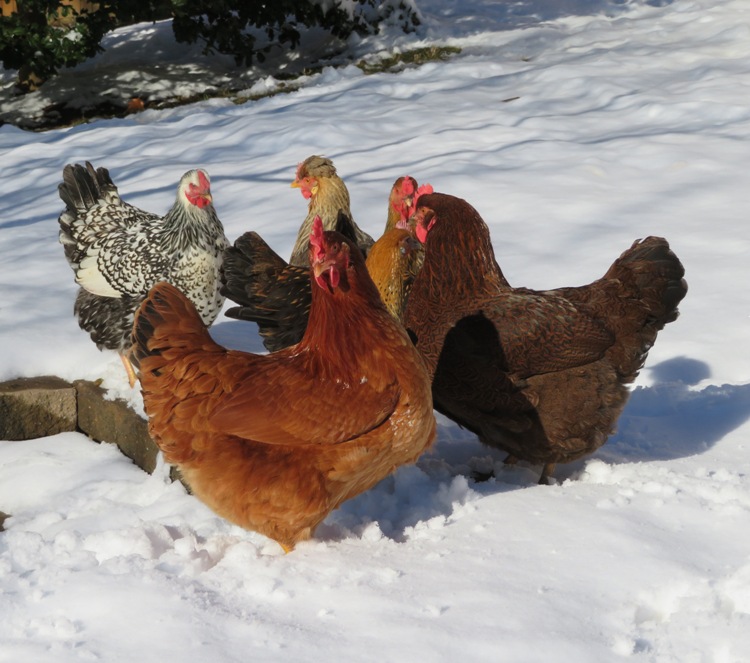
(626, 119)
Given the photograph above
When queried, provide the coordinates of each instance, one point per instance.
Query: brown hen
(393, 263)
(275, 442)
(540, 374)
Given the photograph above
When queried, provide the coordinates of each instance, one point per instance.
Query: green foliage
(45, 35)
(225, 26)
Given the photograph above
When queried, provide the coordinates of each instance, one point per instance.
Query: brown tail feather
(651, 283)
(637, 296)
(269, 292)
(166, 327)
(656, 274)
(249, 269)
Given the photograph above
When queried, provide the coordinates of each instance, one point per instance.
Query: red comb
(421, 191)
(316, 237)
(203, 182)
(407, 185)
(425, 188)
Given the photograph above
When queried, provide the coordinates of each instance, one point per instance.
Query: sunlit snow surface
(573, 131)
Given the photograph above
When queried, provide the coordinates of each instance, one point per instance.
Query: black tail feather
(268, 291)
(83, 186)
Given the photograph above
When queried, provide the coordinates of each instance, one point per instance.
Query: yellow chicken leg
(132, 378)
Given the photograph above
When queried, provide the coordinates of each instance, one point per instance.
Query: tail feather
(637, 296)
(268, 291)
(81, 189)
(648, 284)
(83, 186)
(249, 269)
(167, 326)
(346, 227)
(652, 274)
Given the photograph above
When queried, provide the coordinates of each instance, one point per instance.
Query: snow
(574, 128)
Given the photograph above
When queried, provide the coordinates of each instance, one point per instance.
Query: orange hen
(275, 442)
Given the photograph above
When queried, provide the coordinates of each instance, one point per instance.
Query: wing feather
(280, 403)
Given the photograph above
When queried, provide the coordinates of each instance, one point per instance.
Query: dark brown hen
(540, 374)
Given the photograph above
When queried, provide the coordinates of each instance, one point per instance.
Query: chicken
(275, 442)
(539, 374)
(118, 252)
(316, 178)
(276, 295)
(393, 263)
(401, 202)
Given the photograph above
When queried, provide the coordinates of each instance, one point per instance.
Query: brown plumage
(276, 295)
(540, 374)
(275, 442)
(319, 183)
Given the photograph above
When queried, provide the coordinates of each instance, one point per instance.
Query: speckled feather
(118, 251)
(541, 375)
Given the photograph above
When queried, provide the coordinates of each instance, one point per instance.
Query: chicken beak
(321, 267)
(295, 184)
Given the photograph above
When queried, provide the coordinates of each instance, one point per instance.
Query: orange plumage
(275, 442)
(393, 263)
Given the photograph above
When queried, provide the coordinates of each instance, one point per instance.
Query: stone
(36, 407)
(115, 422)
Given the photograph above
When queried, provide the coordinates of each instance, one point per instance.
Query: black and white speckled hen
(539, 374)
(319, 183)
(119, 251)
